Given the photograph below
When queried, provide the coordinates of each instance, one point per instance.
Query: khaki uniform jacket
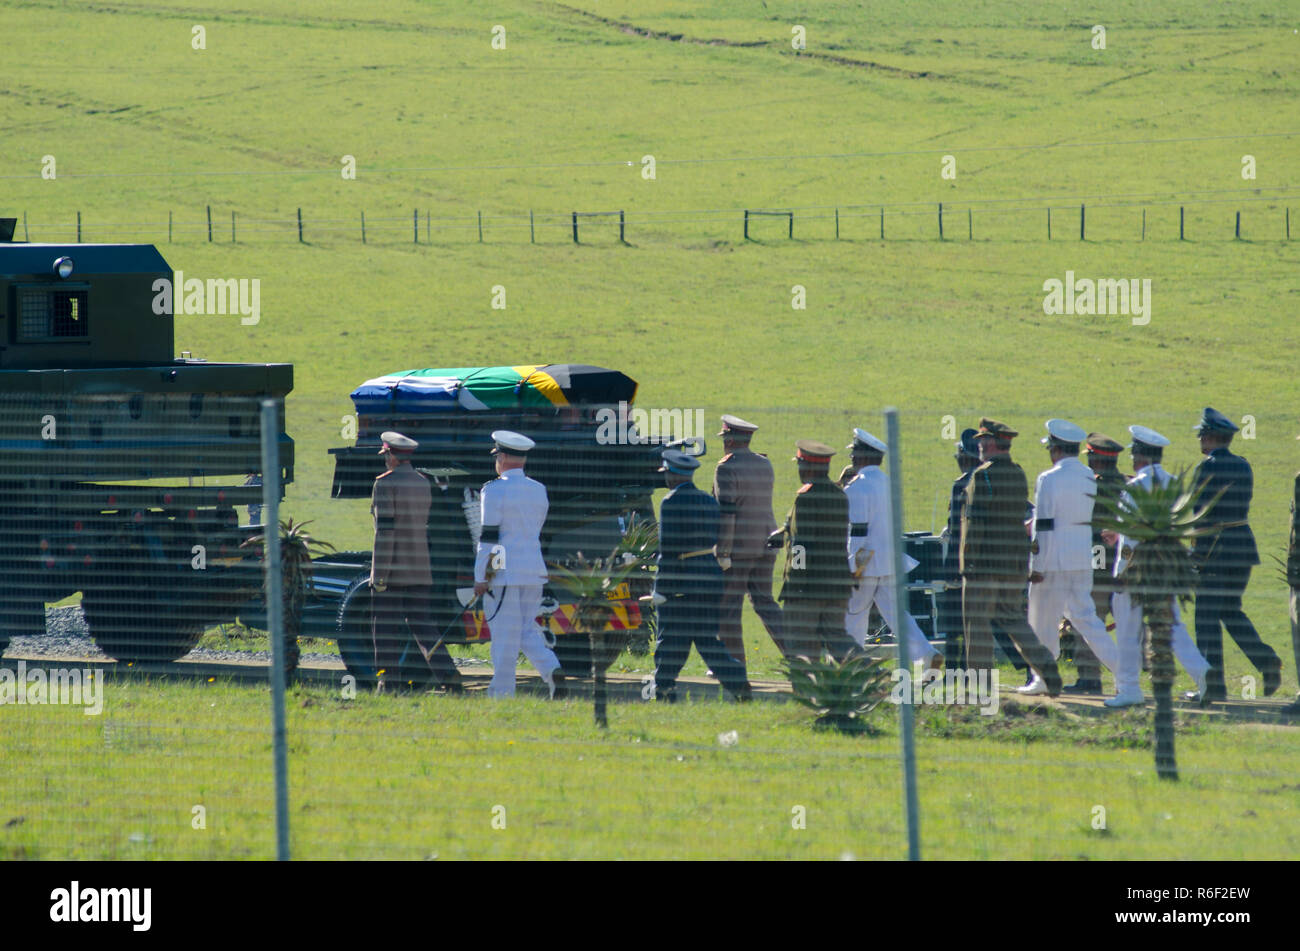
(993, 536)
(400, 504)
(742, 484)
(818, 525)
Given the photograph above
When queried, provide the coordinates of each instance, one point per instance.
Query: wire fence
(133, 610)
(1261, 215)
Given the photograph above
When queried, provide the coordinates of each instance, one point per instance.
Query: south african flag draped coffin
(414, 393)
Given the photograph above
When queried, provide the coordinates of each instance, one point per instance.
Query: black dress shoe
(1292, 709)
(1207, 698)
(1272, 679)
(1083, 686)
(1052, 679)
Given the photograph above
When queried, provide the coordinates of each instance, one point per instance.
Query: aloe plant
(589, 582)
(1163, 520)
(297, 548)
(841, 693)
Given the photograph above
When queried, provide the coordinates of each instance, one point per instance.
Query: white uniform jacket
(871, 526)
(514, 508)
(1124, 548)
(1063, 499)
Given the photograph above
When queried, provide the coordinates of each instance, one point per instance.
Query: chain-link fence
(673, 581)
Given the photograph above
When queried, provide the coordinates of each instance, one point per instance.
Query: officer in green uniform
(994, 558)
(816, 581)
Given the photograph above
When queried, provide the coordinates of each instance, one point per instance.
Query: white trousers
(514, 628)
(880, 590)
(1128, 631)
(1068, 594)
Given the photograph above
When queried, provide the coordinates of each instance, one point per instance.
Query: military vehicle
(120, 464)
(597, 464)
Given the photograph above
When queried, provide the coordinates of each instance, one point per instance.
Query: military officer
(1060, 562)
(871, 550)
(742, 484)
(995, 557)
(1147, 449)
(1293, 580)
(1103, 459)
(400, 579)
(816, 579)
(690, 581)
(968, 457)
(514, 509)
(1224, 560)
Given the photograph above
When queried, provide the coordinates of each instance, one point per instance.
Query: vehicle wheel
(20, 619)
(356, 643)
(138, 622)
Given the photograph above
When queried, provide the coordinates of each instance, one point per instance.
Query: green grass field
(413, 778)
(142, 125)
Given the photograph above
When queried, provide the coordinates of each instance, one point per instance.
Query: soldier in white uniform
(510, 550)
(1060, 561)
(1147, 450)
(871, 551)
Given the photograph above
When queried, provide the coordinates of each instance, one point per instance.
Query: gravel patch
(66, 635)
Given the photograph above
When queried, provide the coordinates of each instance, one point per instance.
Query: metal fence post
(415, 225)
(1180, 222)
(1081, 220)
(1237, 234)
(300, 226)
(275, 618)
(532, 236)
(79, 228)
(363, 226)
(940, 221)
(232, 226)
(209, 224)
(906, 713)
(480, 227)
(746, 224)
(621, 228)
(575, 227)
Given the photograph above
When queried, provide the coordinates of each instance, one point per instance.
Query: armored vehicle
(120, 464)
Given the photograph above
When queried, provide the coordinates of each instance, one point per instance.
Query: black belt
(1044, 524)
(858, 529)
